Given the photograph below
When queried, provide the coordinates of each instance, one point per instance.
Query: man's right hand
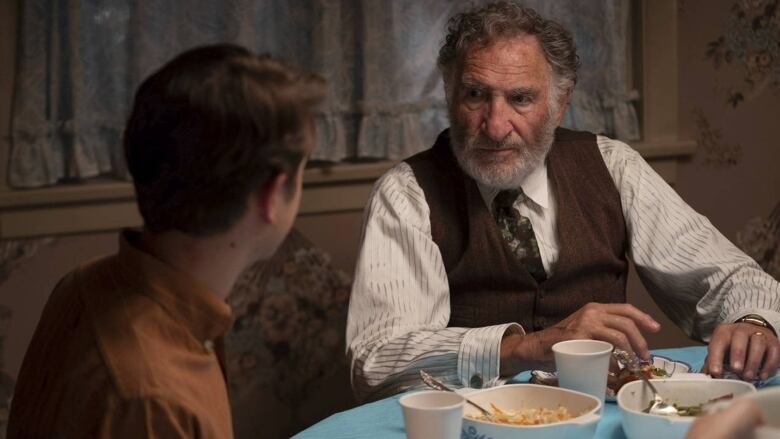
(617, 323)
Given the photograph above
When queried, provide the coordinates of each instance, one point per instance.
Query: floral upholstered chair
(285, 352)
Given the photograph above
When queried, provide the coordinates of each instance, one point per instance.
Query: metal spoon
(433, 383)
(658, 407)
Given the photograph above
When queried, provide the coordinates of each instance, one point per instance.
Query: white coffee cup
(583, 365)
(432, 414)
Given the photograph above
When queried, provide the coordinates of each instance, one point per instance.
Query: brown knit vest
(488, 285)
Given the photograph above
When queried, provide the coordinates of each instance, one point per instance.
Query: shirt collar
(189, 301)
(535, 186)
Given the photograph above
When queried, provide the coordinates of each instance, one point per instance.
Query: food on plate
(692, 410)
(531, 416)
(658, 367)
(616, 380)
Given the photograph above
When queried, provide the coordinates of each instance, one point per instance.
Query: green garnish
(688, 410)
(691, 410)
(657, 371)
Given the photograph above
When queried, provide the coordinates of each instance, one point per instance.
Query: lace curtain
(79, 64)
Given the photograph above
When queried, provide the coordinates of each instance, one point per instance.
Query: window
(364, 118)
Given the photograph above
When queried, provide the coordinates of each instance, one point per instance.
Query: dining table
(383, 419)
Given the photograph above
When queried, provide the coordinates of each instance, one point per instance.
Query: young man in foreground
(128, 346)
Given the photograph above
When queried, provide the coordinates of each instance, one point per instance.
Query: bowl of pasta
(530, 411)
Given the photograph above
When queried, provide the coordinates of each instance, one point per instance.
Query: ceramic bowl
(527, 396)
(634, 397)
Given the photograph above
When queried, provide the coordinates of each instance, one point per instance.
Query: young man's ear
(271, 196)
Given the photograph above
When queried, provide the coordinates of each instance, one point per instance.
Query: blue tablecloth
(383, 419)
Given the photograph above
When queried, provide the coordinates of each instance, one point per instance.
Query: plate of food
(657, 368)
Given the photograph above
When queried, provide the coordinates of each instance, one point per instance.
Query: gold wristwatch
(755, 319)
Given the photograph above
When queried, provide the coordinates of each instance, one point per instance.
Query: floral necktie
(516, 229)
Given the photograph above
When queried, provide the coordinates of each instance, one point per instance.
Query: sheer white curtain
(602, 101)
(80, 62)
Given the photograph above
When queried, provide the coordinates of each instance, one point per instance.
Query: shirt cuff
(771, 317)
(479, 356)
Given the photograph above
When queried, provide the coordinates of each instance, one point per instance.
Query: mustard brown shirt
(126, 348)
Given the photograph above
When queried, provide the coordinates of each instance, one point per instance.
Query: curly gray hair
(479, 27)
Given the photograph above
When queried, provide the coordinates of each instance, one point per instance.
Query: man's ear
(271, 196)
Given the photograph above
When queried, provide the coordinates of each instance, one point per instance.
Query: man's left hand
(747, 346)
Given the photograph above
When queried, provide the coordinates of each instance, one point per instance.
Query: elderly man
(511, 234)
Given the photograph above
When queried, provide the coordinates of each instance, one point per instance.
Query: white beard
(503, 173)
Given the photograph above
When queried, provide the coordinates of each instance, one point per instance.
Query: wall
(734, 176)
(7, 61)
(7, 53)
(729, 195)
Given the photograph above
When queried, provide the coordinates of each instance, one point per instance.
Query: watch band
(755, 319)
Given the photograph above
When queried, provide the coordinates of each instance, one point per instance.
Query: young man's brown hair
(210, 128)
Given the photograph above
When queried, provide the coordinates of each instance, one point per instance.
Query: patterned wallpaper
(745, 58)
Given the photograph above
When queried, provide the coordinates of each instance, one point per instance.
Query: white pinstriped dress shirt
(400, 305)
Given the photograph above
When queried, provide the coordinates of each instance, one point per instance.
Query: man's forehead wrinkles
(500, 68)
(504, 79)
